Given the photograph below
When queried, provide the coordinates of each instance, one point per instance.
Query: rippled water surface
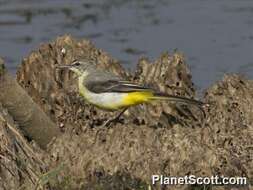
(216, 36)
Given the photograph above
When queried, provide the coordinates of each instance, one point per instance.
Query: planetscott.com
(192, 179)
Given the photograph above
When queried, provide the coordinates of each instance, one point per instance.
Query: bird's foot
(114, 120)
(109, 122)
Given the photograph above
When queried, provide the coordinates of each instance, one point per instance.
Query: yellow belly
(134, 98)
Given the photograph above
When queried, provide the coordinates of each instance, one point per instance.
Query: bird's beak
(69, 67)
(63, 66)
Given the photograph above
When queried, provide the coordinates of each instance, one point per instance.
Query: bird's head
(78, 67)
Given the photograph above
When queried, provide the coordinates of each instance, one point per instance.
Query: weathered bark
(9, 178)
(20, 164)
(32, 120)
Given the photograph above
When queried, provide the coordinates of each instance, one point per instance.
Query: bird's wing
(115, 86)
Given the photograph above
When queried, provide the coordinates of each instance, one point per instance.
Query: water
(216, 36)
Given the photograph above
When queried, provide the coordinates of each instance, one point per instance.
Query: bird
(110, 92)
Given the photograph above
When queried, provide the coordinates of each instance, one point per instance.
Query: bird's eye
(77, 64)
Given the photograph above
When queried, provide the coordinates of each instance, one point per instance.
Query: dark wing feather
(115, 86)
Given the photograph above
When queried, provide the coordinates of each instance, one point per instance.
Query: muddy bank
(158, 138)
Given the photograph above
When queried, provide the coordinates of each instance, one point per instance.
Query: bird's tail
(179, 99)
(161, 96)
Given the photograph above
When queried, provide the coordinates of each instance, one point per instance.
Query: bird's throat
(81, 86)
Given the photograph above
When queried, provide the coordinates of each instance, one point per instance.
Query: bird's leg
(109, 121)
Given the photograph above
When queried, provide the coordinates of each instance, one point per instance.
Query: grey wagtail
(109, 92)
